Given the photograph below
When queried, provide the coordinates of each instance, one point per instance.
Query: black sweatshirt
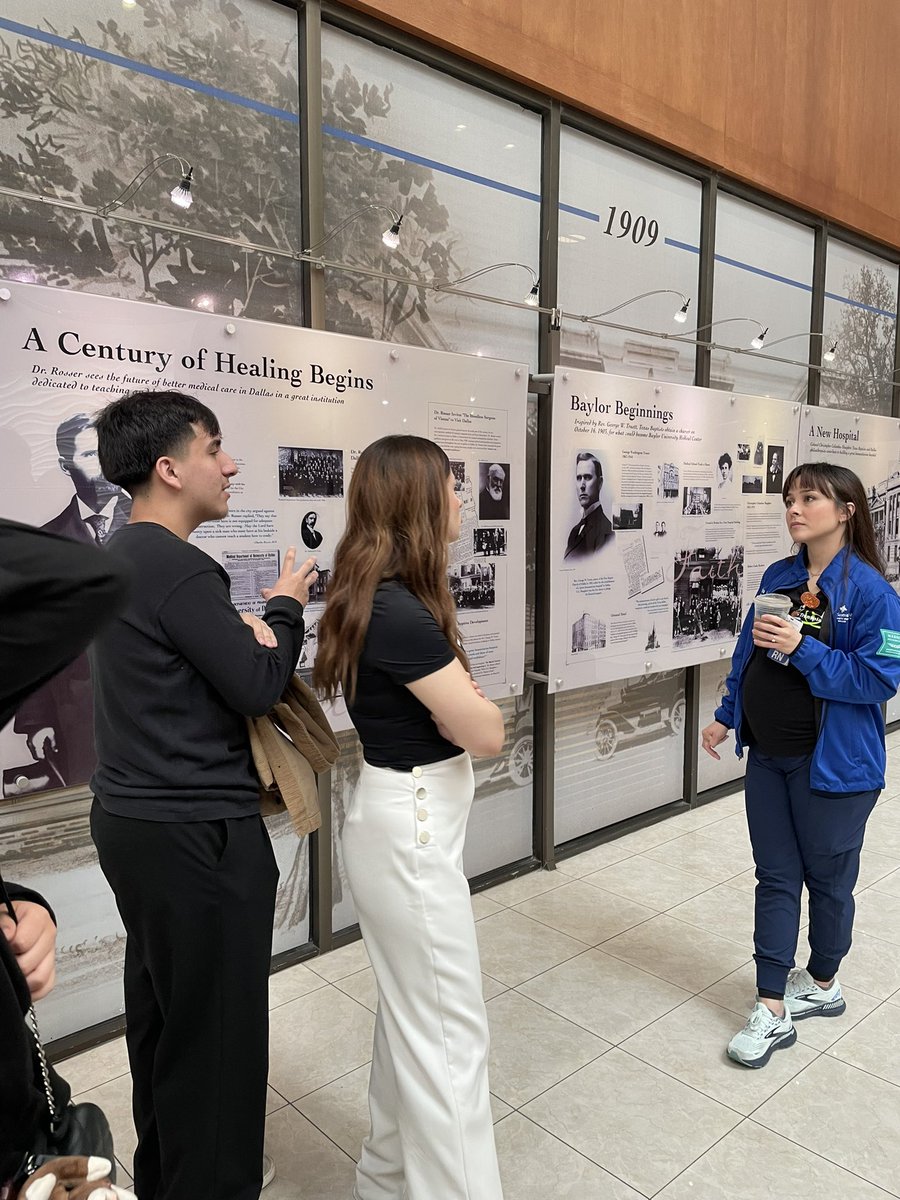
(174, 677)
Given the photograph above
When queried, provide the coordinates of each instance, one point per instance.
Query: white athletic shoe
(804, 998)
(763, 1033)
(268, 1170)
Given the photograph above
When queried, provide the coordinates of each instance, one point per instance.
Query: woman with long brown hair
(805, 695)
(388, 640)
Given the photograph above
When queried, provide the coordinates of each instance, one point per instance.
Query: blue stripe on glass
(879, 312)
(579, 212)
(733, 262)
(205, 89)
(370, 144)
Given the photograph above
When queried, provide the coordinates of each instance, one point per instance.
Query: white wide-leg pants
(431, 1135)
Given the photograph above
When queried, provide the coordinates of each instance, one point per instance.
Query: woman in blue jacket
(815, 733)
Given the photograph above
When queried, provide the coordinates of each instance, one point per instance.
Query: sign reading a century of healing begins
(665, 509)
(296, 408)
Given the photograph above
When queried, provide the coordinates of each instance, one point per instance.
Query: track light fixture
(533, 297)
(180, 195)
(757, 340)
(390, 237)
(829, 355)
(680, 316)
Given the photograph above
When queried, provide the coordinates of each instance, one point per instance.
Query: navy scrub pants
(800, 837)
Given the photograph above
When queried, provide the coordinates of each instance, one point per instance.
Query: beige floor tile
(499, 1108)
(114, 1097)
(361, 986)
(491, 987)
(605, 995)
(878, 914)
(681, 954)
(648, 882)
(703, 855)
(874, 1044)
(689, 1044)
(273, 1101)
(534, 1165)
(98, 1065)
(340, 1109)
(895, 999)
(584, 912)
(874, 868)
(291, 984)
(513, 947)
(632, 1120)
(765, 1165)
(725, 910)
(849, 1117)
(883, 831)
(483, 906)
(123, 1179)
(337, 964)
(872, 966)
(533, 1048)
(889, 883)
(648, 837)
(702, 817)
(523, 887)
(603, 855)
(307, 1164)
(317, 1039)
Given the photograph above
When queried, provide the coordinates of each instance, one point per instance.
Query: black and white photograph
(667, 481)
(458, 471)
(628, 516)
(743, 451)
(724, 470)
(758, 455)
(472, 585)
(588, 633)
(309, 535)
(493, 491)
(489, 543)
(751, 485)
(659, 529)
(707, 595)
(696, 501)
(592, 529)
(306, 472)
(774, 470)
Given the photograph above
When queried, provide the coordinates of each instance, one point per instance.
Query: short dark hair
(136, 430)
(587, 456)
(725, 458)
(67, 431)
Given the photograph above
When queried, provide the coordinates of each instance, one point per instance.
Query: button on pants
(431, 1135)
(801, 837)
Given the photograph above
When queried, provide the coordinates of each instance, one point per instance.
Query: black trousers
(197, 899)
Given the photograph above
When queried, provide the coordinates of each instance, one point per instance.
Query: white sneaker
(804, 998)
(268, 1170)
(763, 1033)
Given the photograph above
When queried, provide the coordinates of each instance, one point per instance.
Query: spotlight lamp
(829, 355)
(533, 297)
(680, 316)
(390, 237)
(757, 340)
(180, 195)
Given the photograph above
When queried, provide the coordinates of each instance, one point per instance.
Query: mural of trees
(865, 341)
(80, 128)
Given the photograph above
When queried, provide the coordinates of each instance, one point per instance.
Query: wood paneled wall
(800, 98)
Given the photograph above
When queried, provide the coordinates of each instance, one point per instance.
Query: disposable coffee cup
(774, 605)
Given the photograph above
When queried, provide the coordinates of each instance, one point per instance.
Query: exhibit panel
(712, 773)
(665, 510)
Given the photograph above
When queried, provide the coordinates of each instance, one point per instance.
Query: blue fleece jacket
(851, 675)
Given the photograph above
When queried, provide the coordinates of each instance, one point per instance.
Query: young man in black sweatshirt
(176, 811)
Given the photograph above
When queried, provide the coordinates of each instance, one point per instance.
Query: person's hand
(293, 583)
(33, 941)
(39, 741)
(73, 1179)
(478, 690)
(713, 735)
(774, 633)
(263, 633)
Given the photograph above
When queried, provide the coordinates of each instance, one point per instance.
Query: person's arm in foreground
(461, 712)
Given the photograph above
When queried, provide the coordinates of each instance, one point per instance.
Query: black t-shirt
(403, 643)
(175, 675)
(779, 709)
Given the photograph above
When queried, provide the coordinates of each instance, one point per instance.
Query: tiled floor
(612, 986)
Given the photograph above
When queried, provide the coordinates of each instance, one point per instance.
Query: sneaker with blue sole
(763, 1034)
(804, 998)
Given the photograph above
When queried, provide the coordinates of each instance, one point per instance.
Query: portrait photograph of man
(493, 494)
(57, 720)
(593, 529)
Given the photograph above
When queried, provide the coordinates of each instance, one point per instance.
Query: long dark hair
(844, 488)
(398, 518)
